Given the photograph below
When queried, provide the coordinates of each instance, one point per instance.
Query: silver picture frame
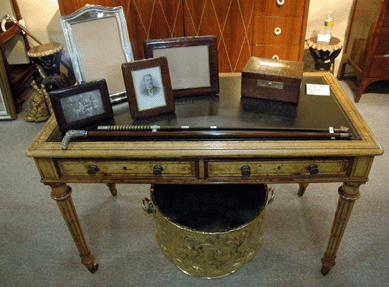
(98, 44)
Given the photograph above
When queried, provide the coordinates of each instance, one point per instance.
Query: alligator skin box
(272, 79)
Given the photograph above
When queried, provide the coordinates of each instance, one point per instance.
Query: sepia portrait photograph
(148, 86)
(149, 89)
(81, 105)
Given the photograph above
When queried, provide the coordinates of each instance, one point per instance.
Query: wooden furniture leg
(348, 194)
(302, 188)
(112, 188)
(61, 194)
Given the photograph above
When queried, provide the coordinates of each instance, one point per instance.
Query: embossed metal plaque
(270, 84)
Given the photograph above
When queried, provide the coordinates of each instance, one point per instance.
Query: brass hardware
(270, 84)
(157, 170)
(313, 169)
(147, 205)
(245, 170)
(209, 254)
(93, 169)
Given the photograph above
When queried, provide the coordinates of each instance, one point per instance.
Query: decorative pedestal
(47, 56)
(324, 54)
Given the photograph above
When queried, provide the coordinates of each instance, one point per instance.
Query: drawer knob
(157, 170)
(245, 170)
(313, 169)
(280, 2)
(93, 169)
(276, 57)
(277, 31)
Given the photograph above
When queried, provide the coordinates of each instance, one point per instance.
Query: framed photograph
(193, 63)
(149, 90)
(81, 105)
(98, 44)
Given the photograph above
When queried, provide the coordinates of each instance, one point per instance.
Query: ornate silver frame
(71, 26)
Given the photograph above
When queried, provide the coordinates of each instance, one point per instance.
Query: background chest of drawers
(367, 43)
(244, 28)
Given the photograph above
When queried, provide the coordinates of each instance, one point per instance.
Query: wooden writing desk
(218, 160)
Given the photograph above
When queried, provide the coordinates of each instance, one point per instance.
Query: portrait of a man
(149, 88)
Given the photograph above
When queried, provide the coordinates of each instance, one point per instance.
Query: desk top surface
(229, 110)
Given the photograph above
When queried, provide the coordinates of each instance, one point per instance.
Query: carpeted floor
(36, 248)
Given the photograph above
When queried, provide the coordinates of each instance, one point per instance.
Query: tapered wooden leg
(61, 193)
(302, 188)
(348, 194)
(112, 188)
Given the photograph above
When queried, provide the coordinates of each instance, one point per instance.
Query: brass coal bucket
(209, 231)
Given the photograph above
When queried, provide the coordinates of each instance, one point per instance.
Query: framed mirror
(98, 44)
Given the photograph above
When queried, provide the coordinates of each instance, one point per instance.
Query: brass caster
(93, 268)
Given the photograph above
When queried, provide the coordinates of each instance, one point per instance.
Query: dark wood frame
(151, 45)
(131, 86)
(6, 94)
(57, 95)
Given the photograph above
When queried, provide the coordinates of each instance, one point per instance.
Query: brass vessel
(213, 249)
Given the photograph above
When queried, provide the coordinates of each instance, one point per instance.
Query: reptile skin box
(272, 79)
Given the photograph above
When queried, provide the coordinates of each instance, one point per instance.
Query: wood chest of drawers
(367, 43)
(279, 29)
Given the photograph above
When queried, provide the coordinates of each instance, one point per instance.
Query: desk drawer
(278, 168)
(127, 168)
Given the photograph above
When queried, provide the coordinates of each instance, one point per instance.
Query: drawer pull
(280, 2)
(276, 57)
(277, 31)
(157, 170)
(93, 169)
(387, 69)
(245, 170)
(313, 169)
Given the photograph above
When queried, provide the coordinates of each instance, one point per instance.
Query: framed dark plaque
(81, 105)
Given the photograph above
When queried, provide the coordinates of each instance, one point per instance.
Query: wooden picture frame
(149, 90)
(7, 106)
(98, 43)
(81, 105)
(193, 63)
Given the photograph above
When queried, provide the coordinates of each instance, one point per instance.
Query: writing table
(219, 160)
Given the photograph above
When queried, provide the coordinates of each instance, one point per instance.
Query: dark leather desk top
(229, 110)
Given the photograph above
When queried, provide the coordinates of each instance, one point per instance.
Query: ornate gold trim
(323, 47)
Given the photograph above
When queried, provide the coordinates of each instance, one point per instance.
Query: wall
(42, 18)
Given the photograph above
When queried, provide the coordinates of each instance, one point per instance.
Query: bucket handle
(147, 205)
(273, 194)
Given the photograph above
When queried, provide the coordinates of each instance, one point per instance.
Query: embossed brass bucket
(209, 231)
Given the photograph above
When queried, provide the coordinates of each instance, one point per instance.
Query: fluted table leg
(61, 194)
(348, 194)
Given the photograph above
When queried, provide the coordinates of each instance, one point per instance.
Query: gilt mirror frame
(98, 44)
